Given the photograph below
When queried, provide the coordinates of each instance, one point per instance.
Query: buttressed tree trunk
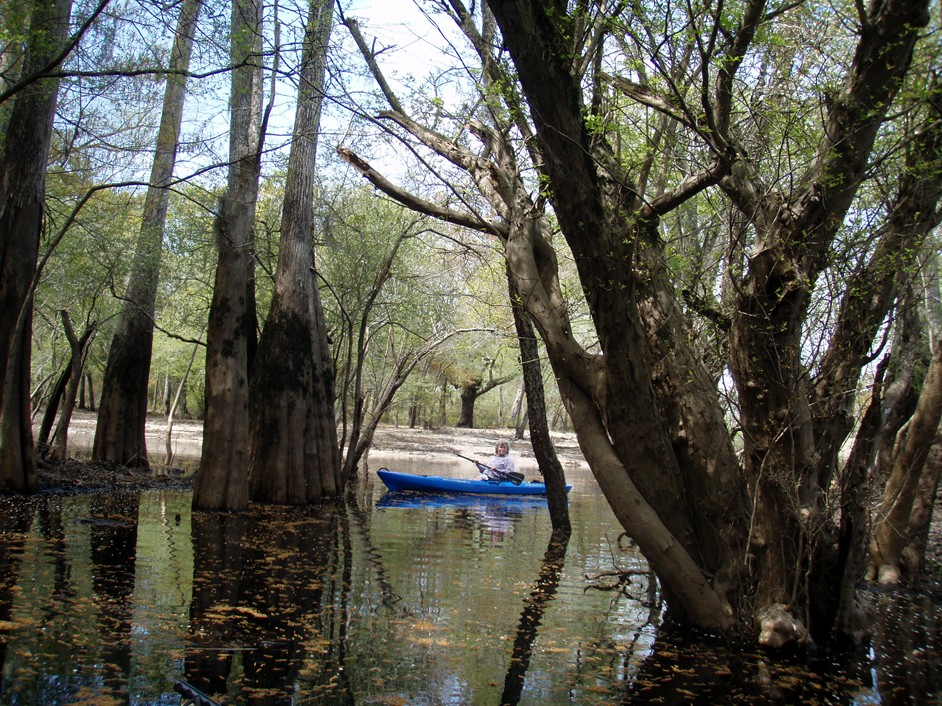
(22, 186)
(294, 451)
(122, 414)
(222, 480)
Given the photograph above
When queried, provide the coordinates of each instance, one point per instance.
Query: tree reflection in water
(15, 521)
(113, 534)
(263, 600)
(108, 599)
(543, 591)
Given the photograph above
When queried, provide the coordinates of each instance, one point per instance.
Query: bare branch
(687, 188)
(645, 96)
(370, 58)
(45, 72)
(418, 204)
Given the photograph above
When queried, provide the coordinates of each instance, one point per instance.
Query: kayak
(395, 480)
(490, 504)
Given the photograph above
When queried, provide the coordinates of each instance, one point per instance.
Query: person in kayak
(498, 467)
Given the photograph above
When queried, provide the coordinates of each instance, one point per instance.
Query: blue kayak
(436, 484)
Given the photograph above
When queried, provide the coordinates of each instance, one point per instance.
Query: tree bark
(920, 518)
(610, 398)
(58, 448)
(222, 479)
(771, 306)
(122, 414)
(551, 469)
(294, 452)
(22, 187)
(914, 212)
(794, 233)
(891, 531)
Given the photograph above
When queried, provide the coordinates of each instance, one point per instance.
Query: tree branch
(420, 205)
(687, 188)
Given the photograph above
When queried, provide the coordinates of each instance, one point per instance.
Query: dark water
(113, 599)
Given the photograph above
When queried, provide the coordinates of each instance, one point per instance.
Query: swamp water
(394, 599)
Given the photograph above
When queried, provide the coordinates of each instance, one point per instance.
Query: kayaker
(499, 466)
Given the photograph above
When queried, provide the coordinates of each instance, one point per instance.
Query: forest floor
(79, 474)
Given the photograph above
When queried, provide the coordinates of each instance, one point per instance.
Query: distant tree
(61, 402)
(472, 388)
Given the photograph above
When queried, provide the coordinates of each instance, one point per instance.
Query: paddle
(512, 476)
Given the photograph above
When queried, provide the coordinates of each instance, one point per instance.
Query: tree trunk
(294, 452)
(122, 416)
(610, 398)
(52, 409)
(222, 480)
(87, 394)
(58, 449)
(920, 518)
(22, 187)
(543, 449)
(181, 392)
(469, 394)
(626, 428)
(891, 532)
(794, 234)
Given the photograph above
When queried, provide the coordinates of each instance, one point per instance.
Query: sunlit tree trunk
(222, 478)
(122, 415)
(22, 186)
(294, 449)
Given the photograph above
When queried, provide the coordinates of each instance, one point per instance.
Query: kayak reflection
(496, 515)
(415, 499)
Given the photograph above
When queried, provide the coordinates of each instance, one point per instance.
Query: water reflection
(387, 599)
(490, 518)
(15, 520)
(113, 539)
(543, 592)
(262, 614)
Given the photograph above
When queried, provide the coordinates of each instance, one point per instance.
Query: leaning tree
(630, 116)
(122, 415)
